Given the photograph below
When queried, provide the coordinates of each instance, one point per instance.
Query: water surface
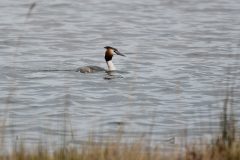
(181, 58)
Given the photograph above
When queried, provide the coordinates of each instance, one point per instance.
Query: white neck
(111, 66)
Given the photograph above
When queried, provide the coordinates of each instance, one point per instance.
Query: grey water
(181, 58)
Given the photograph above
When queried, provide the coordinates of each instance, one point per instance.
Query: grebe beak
(118, 53)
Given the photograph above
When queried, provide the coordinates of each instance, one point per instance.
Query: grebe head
(110, 51)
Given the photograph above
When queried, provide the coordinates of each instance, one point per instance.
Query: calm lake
(181, 58)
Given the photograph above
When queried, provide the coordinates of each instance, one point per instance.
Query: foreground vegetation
(116, 151)
(226, 146)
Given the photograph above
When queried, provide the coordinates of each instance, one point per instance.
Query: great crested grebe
(110, 51)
